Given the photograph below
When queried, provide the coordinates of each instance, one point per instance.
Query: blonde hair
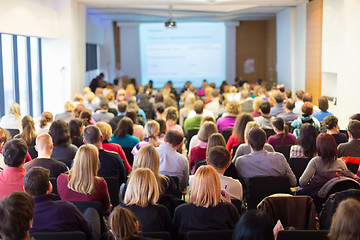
(205, 187)
(152, 130)
(105, 130)
(46, 117)
(83, 173)
(148, 157)
(256, 104)
(143, 189)
(207, 119)
(189, 101)
(233, 108)
(345, 223)
(123, 223)
(248, 127)
(78, 98)
(130, 89)
(69, 106)
(206, 129)
(89, 97)
(208, 93)
(233, 89)
(15, 109)
(28, 127)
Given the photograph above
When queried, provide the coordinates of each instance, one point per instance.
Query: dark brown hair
(326, 148)
(59, 133)
(125, 126)
(240, 124)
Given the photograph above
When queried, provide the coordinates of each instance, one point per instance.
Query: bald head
(44, 145)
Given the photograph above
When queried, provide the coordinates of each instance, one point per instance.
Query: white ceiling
(186, 10)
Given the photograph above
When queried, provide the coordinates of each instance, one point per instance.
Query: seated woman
(244, 148)
(138, 129)
(282, 137)
(195, 139)
(171, 117)
(123, 134)
(12, 120)
(63, 150)
(28, 134)
(199, 151)
(332, 127)
(307, 111)
(228, 119)
(306, 141)
(206, 199)
(106, 132)
(152, 131)
(327, 159)
(256, 106)
(141, 196)
(82, 183)
(44, 124)
(237, 136)
(86, 116)
(76, 126)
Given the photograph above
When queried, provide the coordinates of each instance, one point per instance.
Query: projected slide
(189, 52)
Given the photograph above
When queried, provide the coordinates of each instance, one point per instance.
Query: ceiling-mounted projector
(170, 23)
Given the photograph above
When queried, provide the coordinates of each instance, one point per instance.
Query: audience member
(282, 137)
(138, 129)
(214, 104)
(28, 133)
(299, 101)
(260, 162)
(323, 106)
(162, 125)
(306, 141)
(279, 108)
(111, 165)
(16, 216)
(195, 139)
(82, 183)
(77, 110)
(12, 120)
(44, 147)
(63, 150)
(247, 101)
(307, 111)
(332, 127)
(145, 104)
(122, 108)
(351, 148)
(202, 113)
(152, 131)
(55, 216)
(289, 116)
(171, 117)
(193, 122)
(256, 107)
(254, 225)
(44, 123)
(4, 137)
(141, 196)
(308, 98)
(206, 199)
(237, 136)
(265, 120)
(68, 114)
(86, 116)
(123, 134)
(76, 126)
(326, 161)
(103, 115)
(228, 119)
(11, 178)
(160, 110)
(173, 163)
(188, 106)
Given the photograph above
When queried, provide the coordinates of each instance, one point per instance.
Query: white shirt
(206, 112)
(10, 121)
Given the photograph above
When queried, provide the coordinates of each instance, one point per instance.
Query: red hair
(326, 147)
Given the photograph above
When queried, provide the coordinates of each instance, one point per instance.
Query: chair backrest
(353, 167)
(298, 166)
(58, 235)
(234, 149)
(227, 133)
(269, 132)
(54, 184)
(82, 206)
(284, 149)
(189, 135)
(291, 128)
(33, 153)
(113, 188)
(346, 133)
(157, 235)
(129, 155)
(199, 163)
(262, 187)
(210, 235)
(13, 132)
(303, 234)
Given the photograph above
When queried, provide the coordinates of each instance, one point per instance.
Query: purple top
(225, 122)
(276, 140)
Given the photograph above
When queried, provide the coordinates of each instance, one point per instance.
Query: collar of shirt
(121, 114)
(14, 169)
(202, 144)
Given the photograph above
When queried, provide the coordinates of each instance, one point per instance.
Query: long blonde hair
(142, 189)
(148, 157)
(152, 130)
(205, 187)
(15, 109)
(105, 130)
(29, 132)
(83, 173)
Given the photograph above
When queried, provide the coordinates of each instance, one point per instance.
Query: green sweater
(192, 123)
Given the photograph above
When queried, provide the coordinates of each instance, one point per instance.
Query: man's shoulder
(108, 154)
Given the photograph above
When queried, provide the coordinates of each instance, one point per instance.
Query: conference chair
(157, 235)
(76, 235)
(113, 188)
(262, 187)
(353, 167)
(298, 166)
(285, 150)
(13, 132)
(346, 133)
(33, 153)
(82, 206)
(291, 128)
(303, 234)
(189, 135)
(227, 133)
(210, 235)
(234, 149)
(129, 155)
(54, 184)
(269, 132)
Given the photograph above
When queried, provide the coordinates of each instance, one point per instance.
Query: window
(20, 74)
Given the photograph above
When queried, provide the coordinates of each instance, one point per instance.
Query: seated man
(247, 102)
(351, 148)
(194, 121)
(51, 215)
(111, 164)
(173, 163)
(44, 147)
(260, 162)
(122, 108)
(11, 178)
(265, 120)
(103, 115)
(289, 116)
(279, 108)
(219, 158)
(16, 211)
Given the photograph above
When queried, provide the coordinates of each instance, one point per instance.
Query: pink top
(101, 192)
(113, 147)
(11, 180)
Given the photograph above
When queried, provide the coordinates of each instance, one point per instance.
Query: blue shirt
(321, 115)
(127, 141)
(277, 109)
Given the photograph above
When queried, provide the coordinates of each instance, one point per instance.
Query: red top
(11, 180)
(197, 153)
(233, 141)
(101, 192)
(113, 147)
